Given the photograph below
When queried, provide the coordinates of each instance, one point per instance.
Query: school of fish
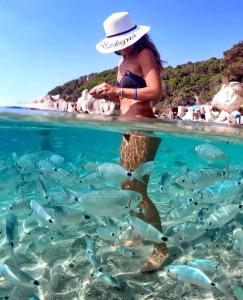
(46, 202)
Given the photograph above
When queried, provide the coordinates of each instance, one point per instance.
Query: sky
(46, 43)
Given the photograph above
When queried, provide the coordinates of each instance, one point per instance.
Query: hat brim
(116, 43)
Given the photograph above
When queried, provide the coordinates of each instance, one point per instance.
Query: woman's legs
(136, 150)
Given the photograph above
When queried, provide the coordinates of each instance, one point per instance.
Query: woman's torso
(130, 76)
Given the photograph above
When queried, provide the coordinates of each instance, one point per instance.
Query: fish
(184, 210)
(106, 233)
(190, 275)
(189, 231)
(92, 178)
(43, 188)
(164, 180)
(143, 170)
(12, 230)
(147, 231)
(17, 276)
(238, 239)
(209, 152)
(221, 191)
(41, 212)
(56, 160)
(91, 253)
(107, 279)
(222, 216)
(125, 252)
(113, 172)
(69, 215)
(109, 202)
(3, 165)
(198, 178)
(205, 265)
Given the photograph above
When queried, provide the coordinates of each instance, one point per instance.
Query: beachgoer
(235, 117)
(202, 113)
(174, 115)
(138, 87)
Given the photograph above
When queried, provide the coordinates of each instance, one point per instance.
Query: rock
(229, 98)
(88, 104)
(42, 103)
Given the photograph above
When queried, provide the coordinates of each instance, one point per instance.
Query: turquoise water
(75, 146)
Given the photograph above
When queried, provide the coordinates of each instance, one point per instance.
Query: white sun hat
(121, 32)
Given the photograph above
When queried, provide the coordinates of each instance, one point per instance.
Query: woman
(138, 87)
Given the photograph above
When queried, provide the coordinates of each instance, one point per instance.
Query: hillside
(183, 84)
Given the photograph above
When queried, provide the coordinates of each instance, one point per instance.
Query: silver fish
(17, 276)
(41, 212)
(190, 275)
(91, 253)
(209, 152)
(147, 231)
(198, 178)
(109, 202)
(205, 265)
(12, 230)
(107, 279)
(222, 216)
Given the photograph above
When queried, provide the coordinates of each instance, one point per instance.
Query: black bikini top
(131, 80)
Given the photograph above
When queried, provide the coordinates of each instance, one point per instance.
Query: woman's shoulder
(146, 52)
(146, 55)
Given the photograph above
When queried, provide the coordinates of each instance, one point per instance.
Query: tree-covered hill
(183, 84)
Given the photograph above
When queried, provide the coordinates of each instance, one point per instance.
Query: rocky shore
(228, 100)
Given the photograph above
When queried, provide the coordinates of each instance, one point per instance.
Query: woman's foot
(156, 260)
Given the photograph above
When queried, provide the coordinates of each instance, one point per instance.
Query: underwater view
(70, 207)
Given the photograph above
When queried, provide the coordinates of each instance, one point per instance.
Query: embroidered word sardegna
(107, 45)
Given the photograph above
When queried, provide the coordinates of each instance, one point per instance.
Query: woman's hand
(104, 90)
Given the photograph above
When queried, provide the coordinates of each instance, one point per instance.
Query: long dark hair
(146, 42)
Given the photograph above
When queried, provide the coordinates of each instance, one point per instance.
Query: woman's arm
(151, 74)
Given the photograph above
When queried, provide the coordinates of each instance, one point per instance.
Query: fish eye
(183, 180)
(164, 238)
(113, 234)
(190, 200)
(240, 206)
(76, 199)
(181, 238)
(129, 174)
(196, 203)
(36, 282)
(55, 169)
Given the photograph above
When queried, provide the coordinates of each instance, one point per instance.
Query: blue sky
(45, 43)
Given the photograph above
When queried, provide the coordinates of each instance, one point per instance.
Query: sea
(52, 164)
